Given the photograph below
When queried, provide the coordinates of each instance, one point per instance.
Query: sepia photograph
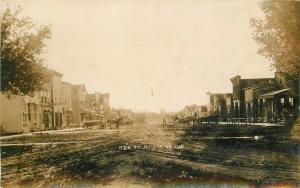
(150, 93)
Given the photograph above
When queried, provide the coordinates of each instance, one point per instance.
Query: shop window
(33, 112)
(291, 101)
(24, 117)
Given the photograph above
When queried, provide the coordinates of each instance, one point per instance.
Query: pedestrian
(164, 122)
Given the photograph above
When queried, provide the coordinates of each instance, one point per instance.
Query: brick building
(263, 99)
(239, 87)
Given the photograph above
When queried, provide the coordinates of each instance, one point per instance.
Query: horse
(116, 121)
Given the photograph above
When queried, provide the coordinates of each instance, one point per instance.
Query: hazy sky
(181, 49)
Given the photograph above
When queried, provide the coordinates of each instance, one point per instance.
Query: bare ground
(146, 156)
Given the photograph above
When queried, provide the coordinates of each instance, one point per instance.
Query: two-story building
(78, 104)
(19, 113)
(254, 106)
(104, 104)
(264, 99)
(45, 98)
(220, 104)
(67, 104)
(94, 106)
(239, 87)
(56, 99)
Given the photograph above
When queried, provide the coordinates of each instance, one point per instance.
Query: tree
(22, 44)
(278, 36)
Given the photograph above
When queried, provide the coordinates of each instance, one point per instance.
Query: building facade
(105, 105)
(58, 104)
(67, 104)
(254, 109)
(19, 113)
(124, 113)
(220, 104)
(56, 99)
(194, 111)
(45, 98)
(190, 111)
(78, 104)
(277, 105)
(264, 99)
(94, 107)
(239, 87)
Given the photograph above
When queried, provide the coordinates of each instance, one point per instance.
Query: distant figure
(164, 122)
(176, 117)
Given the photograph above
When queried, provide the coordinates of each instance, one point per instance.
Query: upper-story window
(29, 111)
(34, 110)
(25, 113)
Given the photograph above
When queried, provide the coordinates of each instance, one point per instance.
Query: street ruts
(146, 155)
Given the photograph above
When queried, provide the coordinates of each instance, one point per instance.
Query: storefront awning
(272, 93)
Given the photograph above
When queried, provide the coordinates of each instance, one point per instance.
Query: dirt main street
(146, 155)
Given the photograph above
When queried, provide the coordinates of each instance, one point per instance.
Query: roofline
(257, 78)
(220, 94)
(64, 82)
(55, 72)
(236, 76)
(271, 93)
(79, 85)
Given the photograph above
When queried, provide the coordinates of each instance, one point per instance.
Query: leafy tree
(278, 36)
(22, 44)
